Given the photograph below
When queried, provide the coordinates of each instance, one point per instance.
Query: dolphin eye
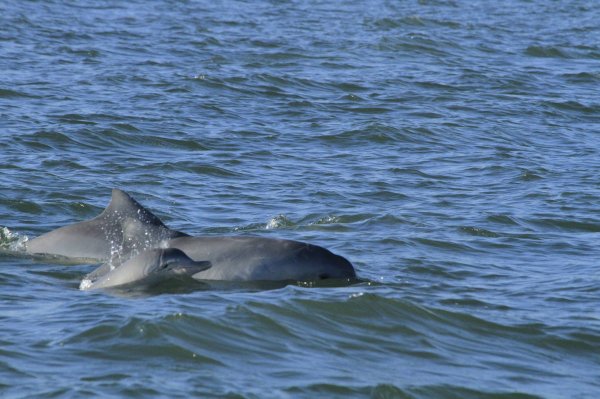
(166, 264)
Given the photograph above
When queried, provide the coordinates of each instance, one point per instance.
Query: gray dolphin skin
(125, 229)
(148, 268)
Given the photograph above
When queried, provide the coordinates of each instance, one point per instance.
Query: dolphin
(247, 258)
(124, 226)
(146, 269)
(125, 229)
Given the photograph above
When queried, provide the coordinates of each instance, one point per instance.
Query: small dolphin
(146, 269)
(125, 228)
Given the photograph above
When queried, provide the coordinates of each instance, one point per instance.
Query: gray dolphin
(146, 269)
(263, 259)
(125, 228)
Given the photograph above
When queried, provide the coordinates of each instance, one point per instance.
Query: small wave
(82, 52)
(64, 164)
(8, 93)
(312, 222)
(453, 391)
(587, 226)
(415, 43)
(576, 106)
(367, 110)
(326, 220)
(408, 21)
(201, 169)
(373, 133)
(546, 52)
(444, 245)
(75, 119)
(582, 77)
(528, 175)
(276, 222)
(389, 391)
(20, 205)
(420, 173)
(478, 232)
(503, 219)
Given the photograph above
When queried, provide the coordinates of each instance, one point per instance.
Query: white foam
(277, 222)
(85, 284)
(12, 241)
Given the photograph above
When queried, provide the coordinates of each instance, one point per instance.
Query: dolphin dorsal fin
(123, 206)
(136, 227)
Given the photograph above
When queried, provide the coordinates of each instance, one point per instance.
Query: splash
(10, 241)
(85, 284)
(277, 222)
(331, 219)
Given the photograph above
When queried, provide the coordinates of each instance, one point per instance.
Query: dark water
(449, 149)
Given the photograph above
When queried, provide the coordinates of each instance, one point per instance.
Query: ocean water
(449, 149)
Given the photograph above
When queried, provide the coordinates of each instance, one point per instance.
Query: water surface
(449, 149)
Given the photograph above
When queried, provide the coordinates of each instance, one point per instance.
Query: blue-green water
(449, 149)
